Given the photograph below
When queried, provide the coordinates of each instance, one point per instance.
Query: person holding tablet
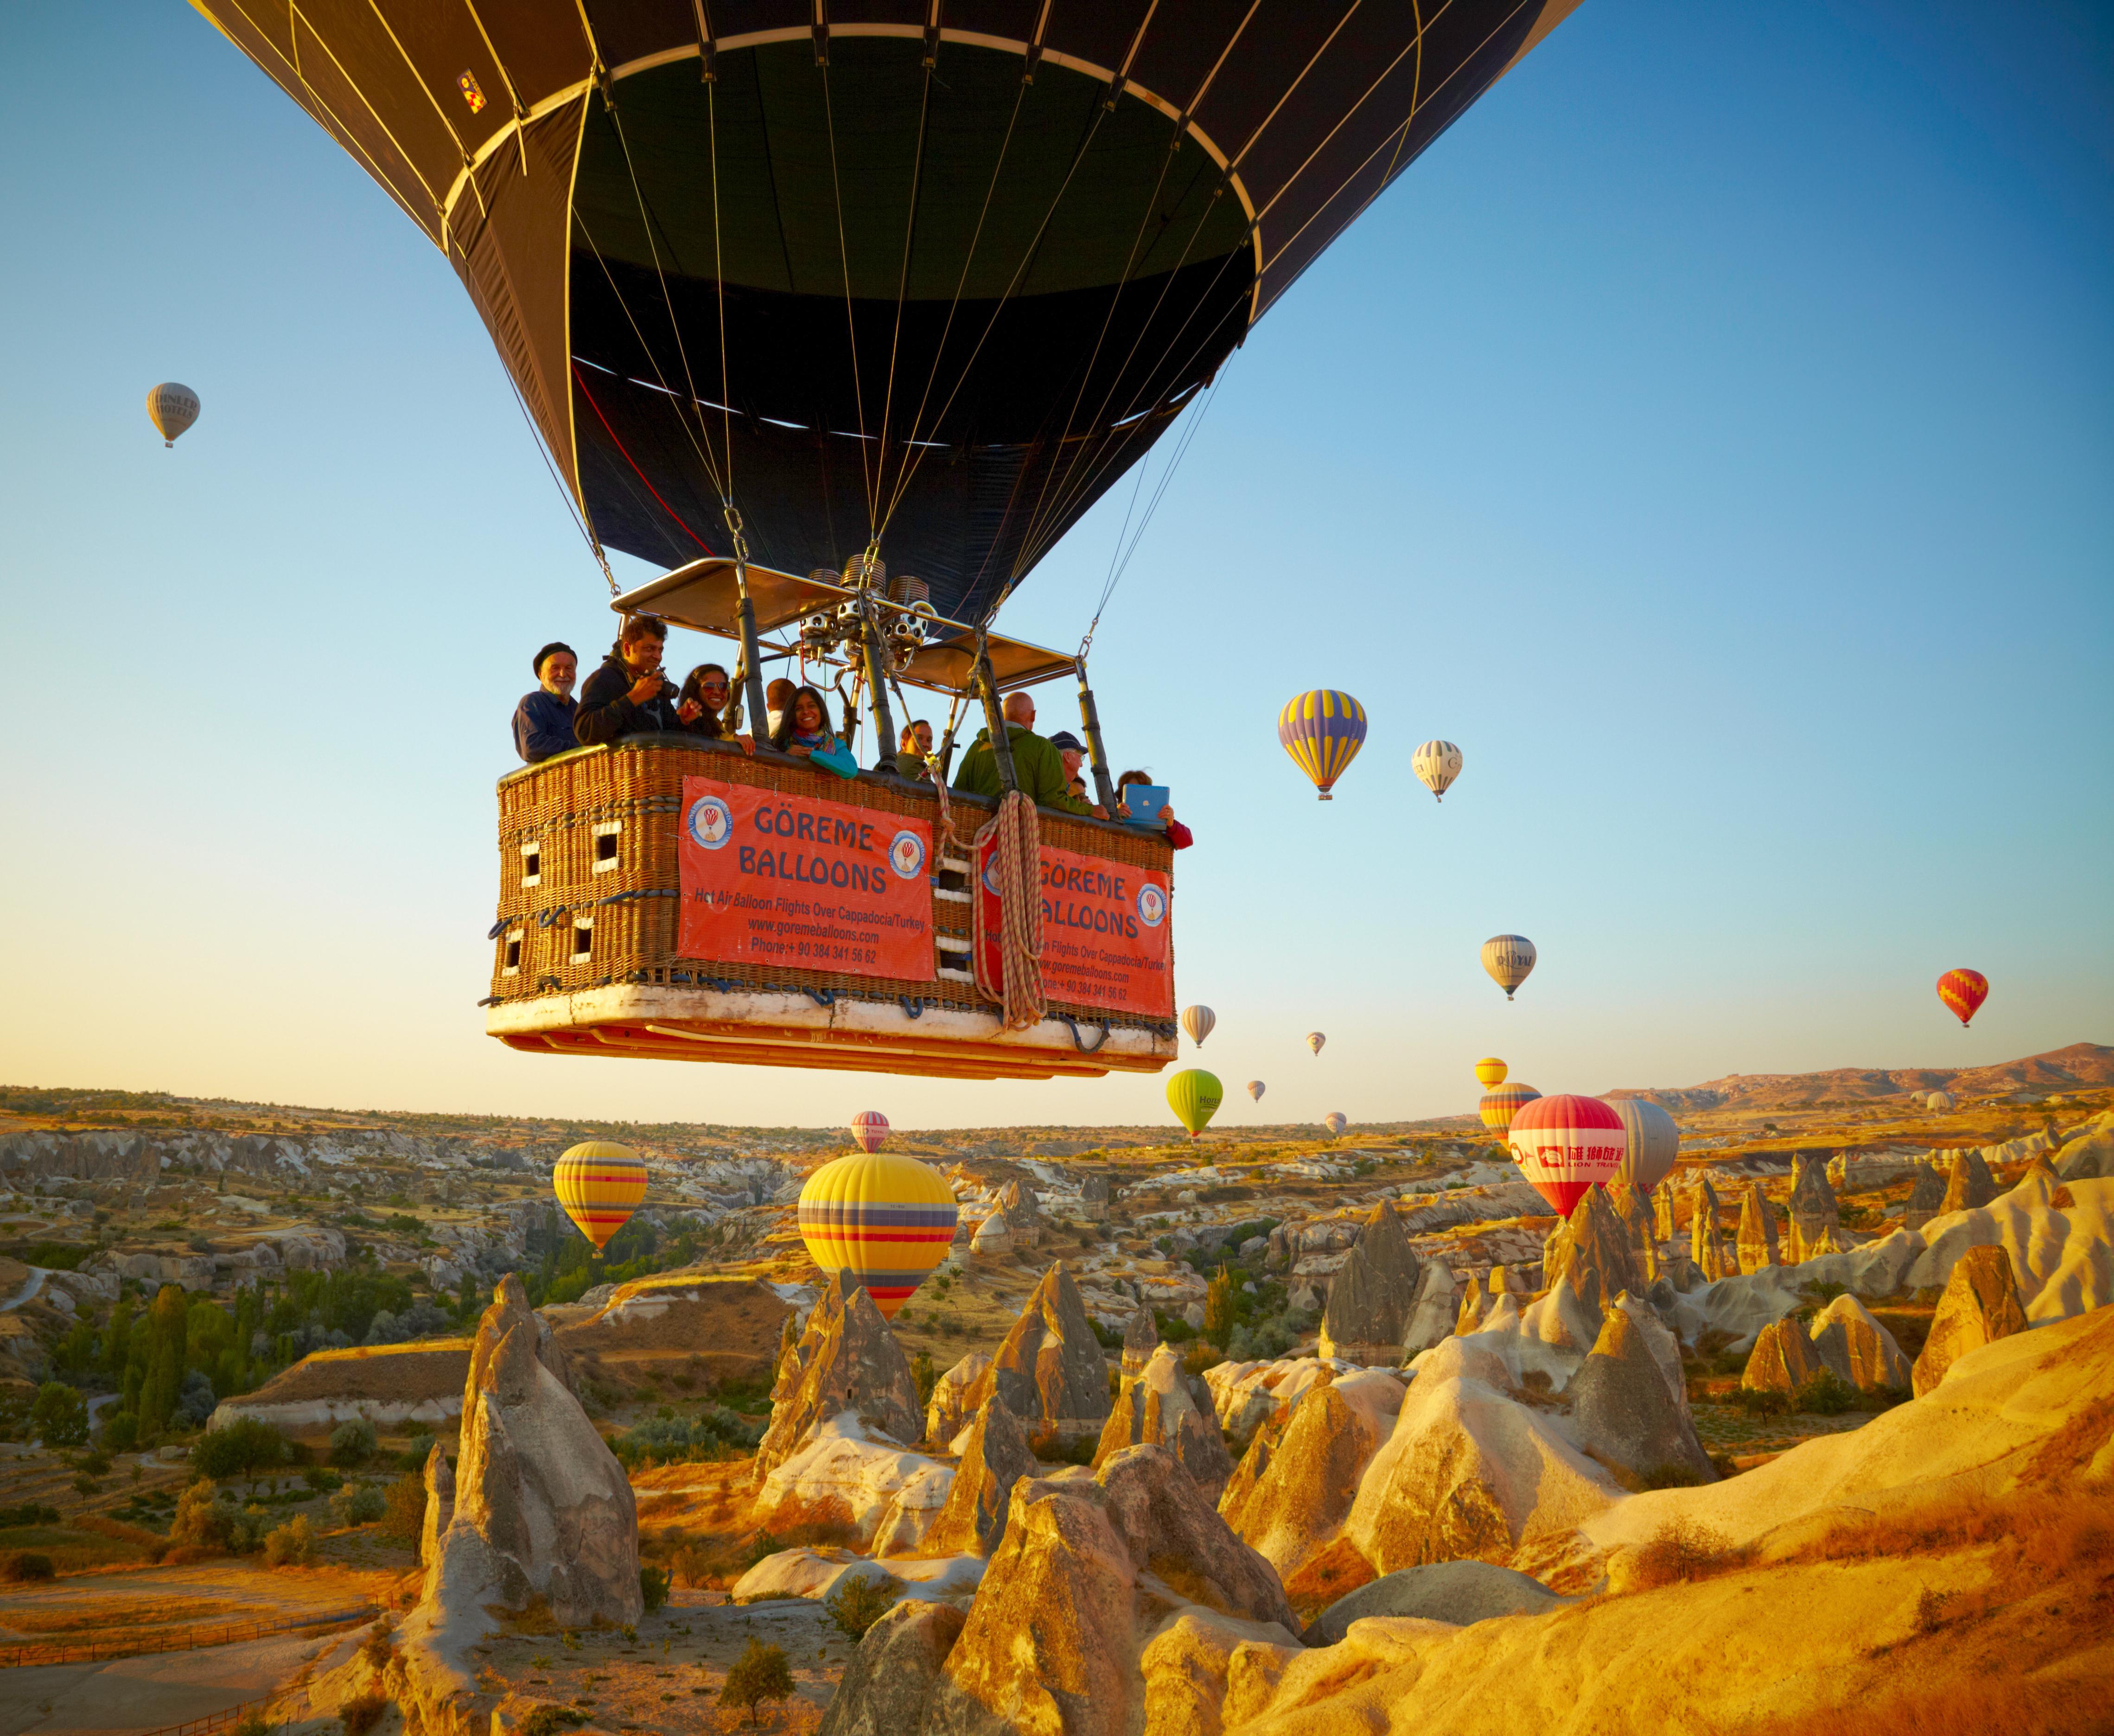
(1177, 835)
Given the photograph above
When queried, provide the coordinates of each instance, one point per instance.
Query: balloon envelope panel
(600, 1185)
(1963, 991)
(884, 1222)
(1490, 1072)
(1194, 1096)
(1502, 1102)
(1653, 1143)
(1322, 731)
(1564, 1144)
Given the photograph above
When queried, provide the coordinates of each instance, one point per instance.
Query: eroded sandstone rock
(1432, 1316)
(1783, 1358)
(1141, 1338)
(1371, 1300)
(1592, 1249)
(1633, 1207)
(1816, 1223)
(1163, 1405)
(847, 1360)
(1857, 1348)
(1980, 1305)
(1461, 1593)
(1757, 1239)
(1050, 1370)
(1706, 1242)
(1970, 1184)
(997, 1457)
(1294, 1503)
(1925, 1198)
(893, 1673)
(946, 1412)
(1622, 1411)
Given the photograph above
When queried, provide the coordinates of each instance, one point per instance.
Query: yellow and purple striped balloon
(883, 1220)
(600, 1185)
(1322, 731)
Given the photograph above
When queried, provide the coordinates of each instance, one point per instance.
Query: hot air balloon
(1335, 1121)
(1322, 731)
(1315, 1039)
(1652, 1142)
(881, 1219)
(1502, 1102)
(869, 1128)
(1194, 1096)
(1256, 1089)
(1940, 1100)
(1509, 958)
(800, 309)
(1963, 991)
(1564, 1144)
(1436, 764)
(171, 408)
(1490, 1071)
(600, 1185)
(1197, 1021)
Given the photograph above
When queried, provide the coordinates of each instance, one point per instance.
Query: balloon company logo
(712, 823)
(472, 93)
(906, 854)
(1151, 905)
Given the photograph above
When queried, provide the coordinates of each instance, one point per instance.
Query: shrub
(758, 1674)
(361, 1715)
(1220, 1300)
(547, 1720)
(253, 1724)
(1680, 1550)
(1764, 1401)
(1828, 1395)
(924, 1374)
(653, 1583)
(857, 1601)
(245, 1448)
(290, 1545)
(60, 1416)
(201, 1519)
(29, 1513)
(403, 1509)
(26, 1565)
(380, 1645)
(352, 1443)
(358, 1504)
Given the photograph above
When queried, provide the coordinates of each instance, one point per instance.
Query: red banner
(1106, 939)
(770, 878)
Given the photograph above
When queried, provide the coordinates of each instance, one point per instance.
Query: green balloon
(1194, 1096)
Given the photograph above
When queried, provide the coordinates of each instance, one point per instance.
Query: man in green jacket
(1037, 767)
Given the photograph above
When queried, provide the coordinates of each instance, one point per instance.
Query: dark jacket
(1037, 767)
(543, 726)
(606, 712)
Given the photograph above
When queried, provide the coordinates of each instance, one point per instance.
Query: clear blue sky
(1711, 434)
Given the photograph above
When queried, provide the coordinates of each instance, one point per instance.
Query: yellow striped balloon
(1322, 731)
(600, 1185)
(882, 1220)
(1491, 1072)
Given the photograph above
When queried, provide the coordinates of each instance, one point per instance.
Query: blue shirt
(543, 726)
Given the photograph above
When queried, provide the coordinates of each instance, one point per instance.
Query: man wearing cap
(543, 720)
(1072, 752)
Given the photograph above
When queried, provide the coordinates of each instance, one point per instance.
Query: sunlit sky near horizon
(1712, 433)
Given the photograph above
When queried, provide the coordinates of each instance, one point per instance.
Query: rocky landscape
(1278, 1434)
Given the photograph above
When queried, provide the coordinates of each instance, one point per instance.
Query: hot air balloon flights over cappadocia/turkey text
(996, 1335)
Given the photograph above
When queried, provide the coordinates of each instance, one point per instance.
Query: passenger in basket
(776, 697)
(702, 706)
(1073, 753)
(805, 733)
(543, 720)
(629, 695)
(913, 751)
(1037, 766)
(1177, 835)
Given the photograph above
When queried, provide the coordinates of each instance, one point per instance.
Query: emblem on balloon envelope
(1564, 1144)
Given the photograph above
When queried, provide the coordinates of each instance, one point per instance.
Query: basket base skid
(663, 1024)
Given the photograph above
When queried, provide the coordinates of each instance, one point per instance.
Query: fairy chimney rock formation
(847, 1360)
(1592, 1249)
(1856, 1348)
(1924, 1199)
(993, 1236)
(1783, 1358)
(1706, 1245)
(1433, 1317)
(1757, 1240)
(1094, 1198)
(1980, 1305)
(1163, 1406)
(997, 1457)
(1626, 1409)
(1634, 1208)
(1663, 1224)
(1816, 1228)
(1141, 1338)
(1049, 1371)
(1970, 1185)
(1371, 1300)
(946, 1412)
(541, 1508)
(440, 1506)
(1023, 1212)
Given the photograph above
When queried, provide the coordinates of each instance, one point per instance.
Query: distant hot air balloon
(171, 408)
(1335, 1121)
(1940, 1100)
(1315, 1039)
(1963, 991)
(1436, 764)
(1502, 1102)
(1197, 1021)
(1564, 1144)
(883, 1220)
(1256, 1089)
(600, 1185)
(1194, 1096)
(1509, 958)
(1490, 1071)
(1322, 731)
(870, 1129)
(1652, 1142)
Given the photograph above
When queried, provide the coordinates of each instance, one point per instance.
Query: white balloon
(171, 408)
(1654, 1141)
(1436, 764)
(1197, 1021)
(1335, 1121)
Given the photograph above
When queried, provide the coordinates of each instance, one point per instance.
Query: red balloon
(1963, 991)
(1564, 1144)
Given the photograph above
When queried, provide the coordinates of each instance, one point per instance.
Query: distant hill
(2083, 1066)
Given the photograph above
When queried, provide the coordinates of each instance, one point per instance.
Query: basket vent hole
(532, 864)
(582, 940)
(606, 847)
(514, 952)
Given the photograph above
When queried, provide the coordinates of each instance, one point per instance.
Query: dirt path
(124, 1696)
(101, 1606)
(28, 1291)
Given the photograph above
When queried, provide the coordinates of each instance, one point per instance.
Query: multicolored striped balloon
(883, 1221)
(1503, 1101)
(1198, 1021)
(1509, 958)
(1654, 1141)
(1436, 764)
(869, 1128)
(1564, 1144)
(1490, 1071)
(1256, 1089)
(1963, 991)
(600, 1185)
(1322, 731)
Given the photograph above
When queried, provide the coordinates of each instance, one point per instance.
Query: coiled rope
(1016, 862)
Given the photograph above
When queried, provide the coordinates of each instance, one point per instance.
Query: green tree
(758, 1674)
(1220, 1302)
(117, 1338)
(75, 1353)
(59, 1416)
(167, 1321)
(924, 1374)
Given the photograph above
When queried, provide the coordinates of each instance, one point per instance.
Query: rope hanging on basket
(1015, 861)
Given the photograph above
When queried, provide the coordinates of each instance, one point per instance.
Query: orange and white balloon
(1564, 1144)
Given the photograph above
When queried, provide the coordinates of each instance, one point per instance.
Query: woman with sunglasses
(704, 705)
